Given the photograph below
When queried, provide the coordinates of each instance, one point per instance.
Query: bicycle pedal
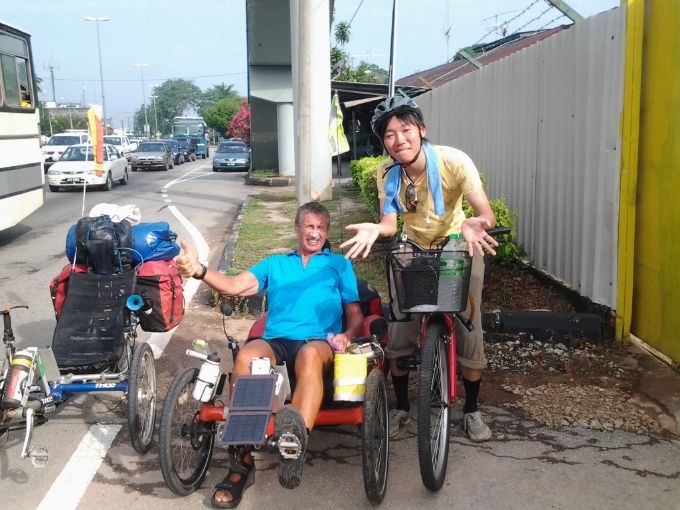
(40, 455)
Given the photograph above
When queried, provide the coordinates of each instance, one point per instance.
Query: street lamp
(101, 75)
(155, 111)
(146, 120)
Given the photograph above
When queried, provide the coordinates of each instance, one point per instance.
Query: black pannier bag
(104, 245)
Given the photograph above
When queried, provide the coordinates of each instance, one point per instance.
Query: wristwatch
(202, 275)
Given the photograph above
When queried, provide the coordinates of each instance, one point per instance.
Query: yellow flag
(337, 141)
(94, 115)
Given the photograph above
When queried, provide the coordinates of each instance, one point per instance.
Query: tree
(215, 93)
(342, 31)
(174, 98)
(240, 124)
(219, 115)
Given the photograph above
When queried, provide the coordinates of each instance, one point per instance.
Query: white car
(122, 143)
(76, 168)
(59, 142)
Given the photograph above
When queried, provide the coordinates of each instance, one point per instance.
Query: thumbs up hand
(187, 263)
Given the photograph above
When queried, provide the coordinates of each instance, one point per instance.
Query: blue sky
(204, 41)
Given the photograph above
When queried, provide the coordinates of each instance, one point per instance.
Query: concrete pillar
(285, 124)
(310, 22)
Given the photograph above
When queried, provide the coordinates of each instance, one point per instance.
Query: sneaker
(475, 427)
(291, 434)
(398, 419)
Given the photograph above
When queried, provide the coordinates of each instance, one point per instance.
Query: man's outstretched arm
(243, 284)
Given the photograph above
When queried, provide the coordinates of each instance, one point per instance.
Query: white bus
(22, 179)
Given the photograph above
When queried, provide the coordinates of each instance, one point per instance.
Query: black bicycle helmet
(391, 107)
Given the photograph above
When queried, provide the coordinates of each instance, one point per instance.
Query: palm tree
(342, 32)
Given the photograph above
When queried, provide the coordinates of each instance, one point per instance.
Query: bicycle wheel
(185, 442)
(375, 437)
(433, 408)
(142, 398)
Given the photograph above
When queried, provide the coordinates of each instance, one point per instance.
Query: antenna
(51, 69)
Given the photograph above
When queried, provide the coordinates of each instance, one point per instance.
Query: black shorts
(287, 350)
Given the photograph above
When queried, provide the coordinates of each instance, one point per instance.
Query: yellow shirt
(459, 177)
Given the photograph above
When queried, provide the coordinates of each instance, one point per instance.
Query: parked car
(152, 155)
(369, 146)
(177, 154)
(232, 155)
(188, 150)
(76, 168)
(58, 143)
(122, 143)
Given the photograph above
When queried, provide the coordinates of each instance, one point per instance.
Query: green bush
(364, 176)
(364, 173)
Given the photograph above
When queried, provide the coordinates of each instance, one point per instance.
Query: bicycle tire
(375, 437)
(433, 408)
(142, 398)
(185, 443)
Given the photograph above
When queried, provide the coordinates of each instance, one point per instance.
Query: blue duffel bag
(153, 241)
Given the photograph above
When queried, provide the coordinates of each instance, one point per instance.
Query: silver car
(152, 155)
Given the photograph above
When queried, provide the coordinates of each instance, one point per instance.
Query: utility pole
(51, 69)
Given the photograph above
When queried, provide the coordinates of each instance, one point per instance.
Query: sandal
(236, 489)
(290, 429)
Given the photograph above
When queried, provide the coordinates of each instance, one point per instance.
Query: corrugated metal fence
(543, 126)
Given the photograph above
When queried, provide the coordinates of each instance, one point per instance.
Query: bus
(193, 130)
(22, 180)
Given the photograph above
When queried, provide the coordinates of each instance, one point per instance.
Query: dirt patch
(567, 383)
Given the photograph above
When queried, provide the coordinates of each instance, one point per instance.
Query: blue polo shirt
(306, 302)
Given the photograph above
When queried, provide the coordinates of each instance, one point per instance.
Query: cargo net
(431, 281)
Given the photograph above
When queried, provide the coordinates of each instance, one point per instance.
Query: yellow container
(350, 377)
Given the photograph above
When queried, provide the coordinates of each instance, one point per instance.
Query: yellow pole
(630, 137)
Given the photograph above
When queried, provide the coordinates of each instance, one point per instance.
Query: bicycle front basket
(416, 280)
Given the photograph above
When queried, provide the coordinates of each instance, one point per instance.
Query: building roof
(485, 54)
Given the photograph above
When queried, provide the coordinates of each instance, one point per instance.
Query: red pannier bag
(160, 287)
(58, 286)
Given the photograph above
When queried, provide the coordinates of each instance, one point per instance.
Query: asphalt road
(92, 464)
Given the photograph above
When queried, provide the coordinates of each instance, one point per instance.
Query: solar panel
(250, 410)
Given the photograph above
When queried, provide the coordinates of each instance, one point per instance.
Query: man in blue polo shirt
(307, 291)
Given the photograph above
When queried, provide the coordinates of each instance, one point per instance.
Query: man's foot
(397, 419)
(291, 432)
(229, 492)
(475, 427)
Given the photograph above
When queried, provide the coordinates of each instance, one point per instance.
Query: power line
(157, 79)
(355, 12)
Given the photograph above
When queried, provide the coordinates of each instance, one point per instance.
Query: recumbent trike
(194, 418)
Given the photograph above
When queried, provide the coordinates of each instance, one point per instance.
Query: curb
(256, 302)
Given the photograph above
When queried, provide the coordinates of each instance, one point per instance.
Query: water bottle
(207, 379)
(17, 383)
(449, 271)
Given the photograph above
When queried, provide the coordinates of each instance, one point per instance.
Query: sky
(205, 41)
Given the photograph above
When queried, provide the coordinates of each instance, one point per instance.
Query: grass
(267, 229)
(263, 173)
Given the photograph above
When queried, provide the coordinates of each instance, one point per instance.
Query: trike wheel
(186, 443)
(433, 408)
(142, 398)
(375, 437)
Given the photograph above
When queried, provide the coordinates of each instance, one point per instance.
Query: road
(92, 464)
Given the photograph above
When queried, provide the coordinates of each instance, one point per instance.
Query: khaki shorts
(403, 336)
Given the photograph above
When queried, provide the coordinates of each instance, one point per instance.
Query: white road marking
(69, 487)
(158, 341)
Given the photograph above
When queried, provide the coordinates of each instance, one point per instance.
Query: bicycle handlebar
(395, 245)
